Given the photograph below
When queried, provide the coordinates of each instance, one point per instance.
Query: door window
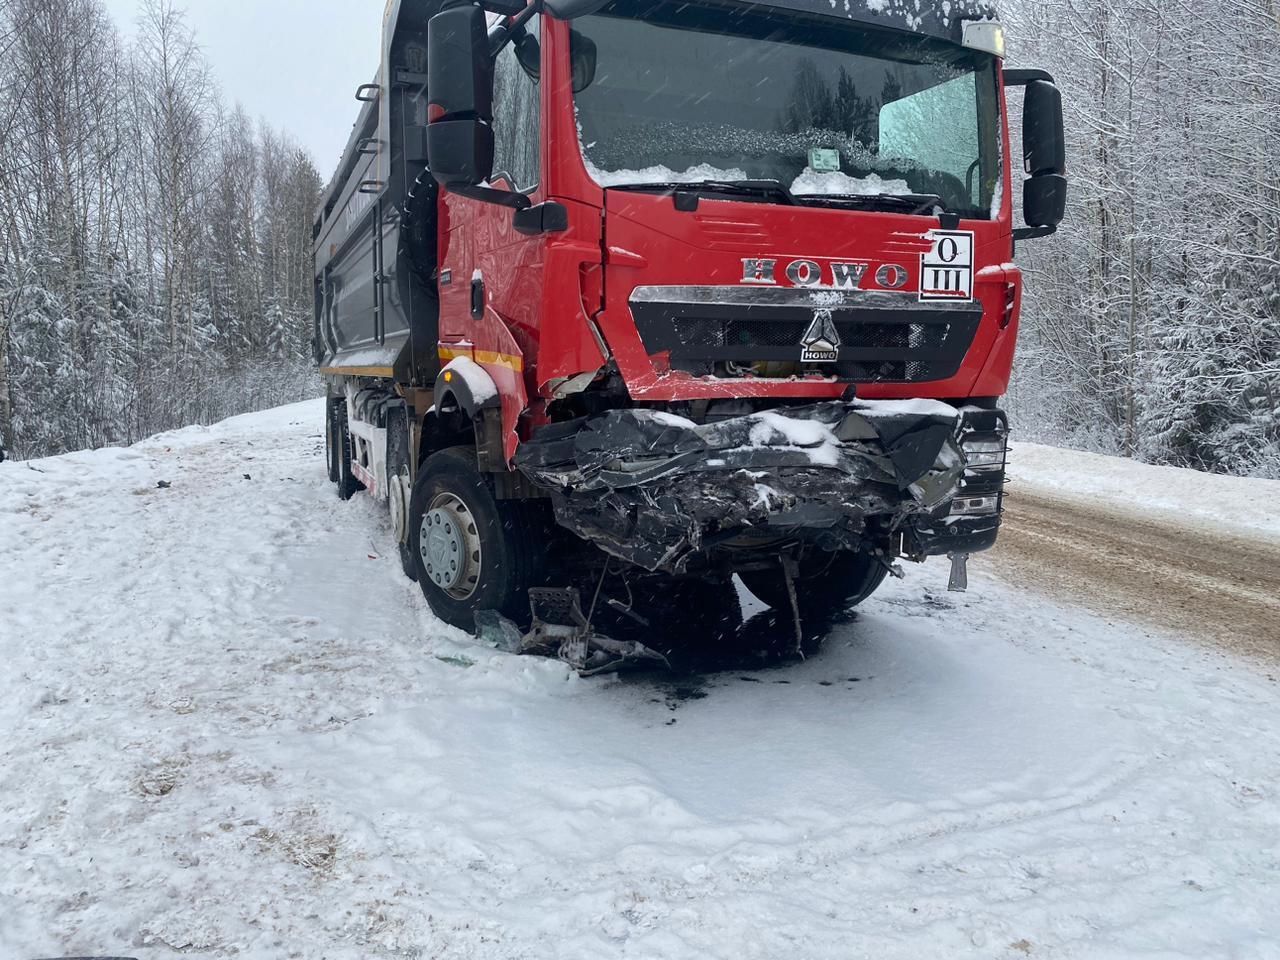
(516, 119)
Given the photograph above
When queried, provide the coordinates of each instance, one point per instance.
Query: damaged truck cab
(624, 293)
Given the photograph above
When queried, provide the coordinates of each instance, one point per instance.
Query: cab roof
(937, 18)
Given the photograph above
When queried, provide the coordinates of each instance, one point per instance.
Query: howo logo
(821, 342)
(810, 273)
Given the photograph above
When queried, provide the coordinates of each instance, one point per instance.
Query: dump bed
(375, 234)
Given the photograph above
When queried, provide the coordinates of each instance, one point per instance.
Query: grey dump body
(375, 243)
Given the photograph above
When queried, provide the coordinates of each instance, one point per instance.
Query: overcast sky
(296, 63)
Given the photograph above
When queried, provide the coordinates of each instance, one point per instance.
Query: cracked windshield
(689, 94)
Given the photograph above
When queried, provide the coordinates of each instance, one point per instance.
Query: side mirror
(582, 56)
(460, 91)
(460, 153)
(1044, 201)
(1044, 139)
(529, 55)
(1044, 147)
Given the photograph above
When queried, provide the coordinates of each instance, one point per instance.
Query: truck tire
(682, 614)
(471, 551)
(348, 485)
(398, 483)
(697, 610)
(827, 583)
(331, 446)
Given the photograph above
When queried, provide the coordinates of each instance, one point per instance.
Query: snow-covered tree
(1152, 324)
(149, 268)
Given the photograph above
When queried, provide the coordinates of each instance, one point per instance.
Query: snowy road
(1215, 584)
(230, 727)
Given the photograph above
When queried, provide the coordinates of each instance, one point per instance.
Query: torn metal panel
(657, 490)
(560, 625)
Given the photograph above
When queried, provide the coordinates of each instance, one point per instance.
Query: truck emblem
(822, 341)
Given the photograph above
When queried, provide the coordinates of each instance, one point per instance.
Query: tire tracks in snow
(1188, 578)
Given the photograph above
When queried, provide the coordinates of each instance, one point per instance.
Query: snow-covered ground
(228, 726)
(1244, 506)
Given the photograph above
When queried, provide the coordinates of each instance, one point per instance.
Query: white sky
(295, 63)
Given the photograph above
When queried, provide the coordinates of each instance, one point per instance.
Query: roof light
(986, 35)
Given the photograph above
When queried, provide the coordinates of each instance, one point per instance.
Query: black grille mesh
(696, 332)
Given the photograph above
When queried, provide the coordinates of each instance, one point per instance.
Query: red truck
(618, 300)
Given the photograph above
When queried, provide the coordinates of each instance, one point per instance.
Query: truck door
(491, 275)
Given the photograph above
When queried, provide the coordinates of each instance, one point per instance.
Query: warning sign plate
(946, 271)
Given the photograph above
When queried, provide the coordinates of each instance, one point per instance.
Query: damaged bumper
(660, 491)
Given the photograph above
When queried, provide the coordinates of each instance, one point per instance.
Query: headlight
(974, 506)
(984, 455)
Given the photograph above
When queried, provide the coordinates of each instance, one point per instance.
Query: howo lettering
(617, 301)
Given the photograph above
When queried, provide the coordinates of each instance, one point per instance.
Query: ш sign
(946, 271)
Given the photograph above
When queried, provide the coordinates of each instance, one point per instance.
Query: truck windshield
(688, 93)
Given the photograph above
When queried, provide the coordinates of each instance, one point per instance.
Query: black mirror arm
(549, 217)
(1020, 78)
(507, 32)
(1032, 233)
(503, 198)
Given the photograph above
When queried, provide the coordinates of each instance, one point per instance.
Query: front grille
(695, 334)
(885, 337)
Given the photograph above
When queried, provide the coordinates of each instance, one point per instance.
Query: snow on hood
(816, 438)
(897, 408)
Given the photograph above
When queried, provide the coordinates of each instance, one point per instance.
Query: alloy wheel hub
(450, 546)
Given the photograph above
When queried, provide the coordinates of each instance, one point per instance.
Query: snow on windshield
(813, 183)
(662, 174)
(608, 162)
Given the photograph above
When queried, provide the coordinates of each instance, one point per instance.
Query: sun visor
(568, 9)
(945, 21)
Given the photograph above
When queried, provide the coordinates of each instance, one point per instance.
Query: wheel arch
(467, 411)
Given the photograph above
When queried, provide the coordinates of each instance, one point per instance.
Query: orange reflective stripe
(509, 360)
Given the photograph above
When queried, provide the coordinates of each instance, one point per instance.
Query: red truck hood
(745, 282)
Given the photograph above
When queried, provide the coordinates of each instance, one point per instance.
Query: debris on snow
(1086, 786)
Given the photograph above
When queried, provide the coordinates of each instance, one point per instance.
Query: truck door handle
(477, 298)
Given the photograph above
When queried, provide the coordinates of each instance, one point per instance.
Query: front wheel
(470, 551)
(827, 583)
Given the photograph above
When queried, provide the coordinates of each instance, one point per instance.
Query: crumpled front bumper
(659, 491)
